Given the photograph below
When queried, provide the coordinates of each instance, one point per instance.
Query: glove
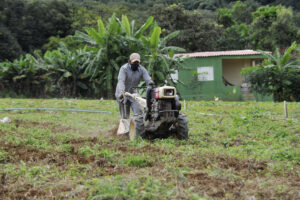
(121, 97)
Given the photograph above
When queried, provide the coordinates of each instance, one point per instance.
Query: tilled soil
(212, 176)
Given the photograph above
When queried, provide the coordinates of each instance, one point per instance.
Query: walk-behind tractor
(161, 117)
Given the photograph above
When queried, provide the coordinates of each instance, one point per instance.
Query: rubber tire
(182, 130)
(136, 127)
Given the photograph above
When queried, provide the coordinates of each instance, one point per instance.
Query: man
(130, 75)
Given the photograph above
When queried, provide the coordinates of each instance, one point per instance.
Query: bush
(279, 75)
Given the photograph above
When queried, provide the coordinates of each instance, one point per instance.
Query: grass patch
(138, 161)
(244, 150)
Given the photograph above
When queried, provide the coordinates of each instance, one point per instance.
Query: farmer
(130, 75)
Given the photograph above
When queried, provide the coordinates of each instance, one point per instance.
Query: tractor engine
(163, 107)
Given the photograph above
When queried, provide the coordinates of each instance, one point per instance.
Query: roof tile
(219, 53)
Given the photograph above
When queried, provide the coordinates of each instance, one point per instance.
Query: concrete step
(248, 96)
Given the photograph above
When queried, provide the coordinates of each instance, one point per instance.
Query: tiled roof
(220, 53)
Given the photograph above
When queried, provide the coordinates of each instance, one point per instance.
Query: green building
(217, 75)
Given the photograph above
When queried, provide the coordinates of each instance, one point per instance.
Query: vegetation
(236, 150)
(74, 48)
(279, 75)
(27, 25)
(92, 70)
(205, 25)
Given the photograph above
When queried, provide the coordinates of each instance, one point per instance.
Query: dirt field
(241, 152)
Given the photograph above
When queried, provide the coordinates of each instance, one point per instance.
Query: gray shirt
(128, 79)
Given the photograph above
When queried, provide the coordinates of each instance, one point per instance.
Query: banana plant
(111, 45)
(66, 69)
(23, 75)
(94, 69)
(130, 30)
(162, 62)
(277, 75)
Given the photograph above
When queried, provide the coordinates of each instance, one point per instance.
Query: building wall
(190, 88)
(232, 70)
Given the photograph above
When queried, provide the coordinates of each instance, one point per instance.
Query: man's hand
(121, 97)
(151, 84)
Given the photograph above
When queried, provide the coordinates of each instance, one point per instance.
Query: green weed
(136, 188)
(221, 146)
(138, 161)
(3, 155)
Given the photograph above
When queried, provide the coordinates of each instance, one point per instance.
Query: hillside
(26, 26)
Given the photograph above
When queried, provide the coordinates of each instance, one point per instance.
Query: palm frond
(95, 36)
(287, 54)
(82, 37)
(140, 32)
(126, 25)
(267, 55)
(169, 37)
(154, 41)
(101, 28)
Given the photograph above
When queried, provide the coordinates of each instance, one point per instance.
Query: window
(205, 73)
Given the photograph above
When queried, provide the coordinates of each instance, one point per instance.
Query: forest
(205, 25)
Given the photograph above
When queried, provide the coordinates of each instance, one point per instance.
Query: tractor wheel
(136, 127)
(182, 130)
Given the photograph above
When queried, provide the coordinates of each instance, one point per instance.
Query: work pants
(124, 107)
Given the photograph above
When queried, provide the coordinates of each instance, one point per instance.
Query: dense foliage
(32, 30)
(204, 25)
(27, 25)
(279, 75)
(91, 70)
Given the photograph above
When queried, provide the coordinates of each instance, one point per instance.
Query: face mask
(134, 66)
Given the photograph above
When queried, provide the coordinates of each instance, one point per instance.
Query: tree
(224, 17)
(279, 75)
(234, 38)
(273, 27)
(10, 14)
(236, 33)
(112, 46)
(66, 69)
(93, 69)
(9, 46)
(197, 33)
(241, 11)
(43, 19)
(162, 63)
(55, 43)
(57, 73)
(28, 24)
(23, 76)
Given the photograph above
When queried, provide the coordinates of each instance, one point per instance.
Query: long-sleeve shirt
(128, 79)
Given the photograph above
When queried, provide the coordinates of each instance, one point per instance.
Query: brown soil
(13, 188)
(213, 186)
(145, 149)
(23, 192)
(240, 179)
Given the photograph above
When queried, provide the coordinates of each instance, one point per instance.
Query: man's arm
(121, 82)
(146, 77)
